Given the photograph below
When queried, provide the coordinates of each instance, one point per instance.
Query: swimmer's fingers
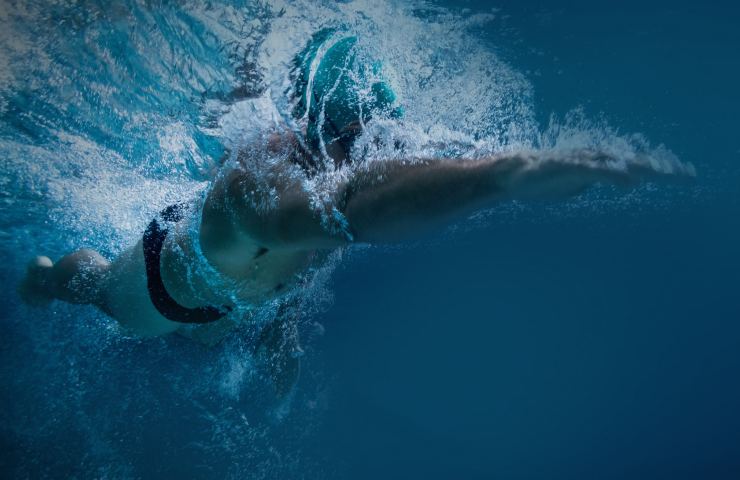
(558, 173)
(658, 163)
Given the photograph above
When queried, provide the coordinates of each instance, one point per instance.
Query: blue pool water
(597, 337)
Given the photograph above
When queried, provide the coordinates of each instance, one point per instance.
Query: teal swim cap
(339, 89)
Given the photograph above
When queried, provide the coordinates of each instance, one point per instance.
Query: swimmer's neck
(286, 143)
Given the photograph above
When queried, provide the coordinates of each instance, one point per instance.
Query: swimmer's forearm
(394, 199)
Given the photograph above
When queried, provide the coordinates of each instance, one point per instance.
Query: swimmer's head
(337, 90)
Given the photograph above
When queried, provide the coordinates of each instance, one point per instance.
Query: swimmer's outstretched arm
(394, 199)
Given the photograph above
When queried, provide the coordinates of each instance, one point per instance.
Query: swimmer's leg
(78, 277)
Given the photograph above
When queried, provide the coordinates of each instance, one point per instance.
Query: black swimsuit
(162, 301)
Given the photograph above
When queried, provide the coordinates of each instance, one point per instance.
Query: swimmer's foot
(35, 289)
(78, 277)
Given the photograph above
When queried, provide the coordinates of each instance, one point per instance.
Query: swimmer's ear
(34, 289)
(352, 129)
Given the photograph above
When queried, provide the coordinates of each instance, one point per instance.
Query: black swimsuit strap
(166, 305)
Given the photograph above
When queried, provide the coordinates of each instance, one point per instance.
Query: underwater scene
(369, 239)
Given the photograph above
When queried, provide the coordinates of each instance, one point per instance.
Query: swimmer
(162, 283)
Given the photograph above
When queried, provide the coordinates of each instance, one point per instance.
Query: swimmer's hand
(34, 289)
(278, 346)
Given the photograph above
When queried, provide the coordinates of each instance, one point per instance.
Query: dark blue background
(601, 346)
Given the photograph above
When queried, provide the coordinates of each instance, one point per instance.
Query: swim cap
(338, 89)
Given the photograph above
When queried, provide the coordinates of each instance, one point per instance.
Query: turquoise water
(596, 337)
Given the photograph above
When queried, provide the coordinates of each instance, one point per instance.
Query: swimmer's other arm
(392, 200)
